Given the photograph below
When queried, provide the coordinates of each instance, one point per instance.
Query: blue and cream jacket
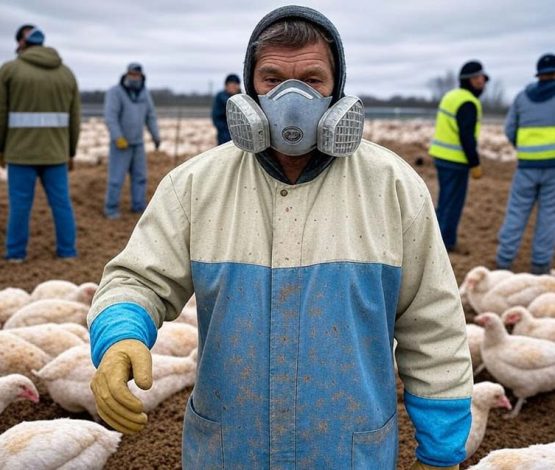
(301, 290)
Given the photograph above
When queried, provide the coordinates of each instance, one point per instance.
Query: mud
(99, 240)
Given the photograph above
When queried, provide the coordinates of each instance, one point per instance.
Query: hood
(541, 91)
(45, 57)
(308, 14)
(122, 80)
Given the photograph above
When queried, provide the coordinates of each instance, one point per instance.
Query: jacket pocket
(202, 441)
(376, 450)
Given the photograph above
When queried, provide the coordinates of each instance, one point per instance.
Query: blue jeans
(21, 192)
(529, 185)
(453, 183)
(132, 160)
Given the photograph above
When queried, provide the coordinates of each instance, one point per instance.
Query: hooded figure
(128, 107)
(530, 127)
(305, 267)
(39, 130)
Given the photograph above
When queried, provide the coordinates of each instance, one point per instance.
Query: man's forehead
(317, 54)
(306, 69)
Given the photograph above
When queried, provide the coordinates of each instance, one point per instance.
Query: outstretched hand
(114, 402)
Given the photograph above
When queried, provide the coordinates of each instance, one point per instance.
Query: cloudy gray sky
(392, 47)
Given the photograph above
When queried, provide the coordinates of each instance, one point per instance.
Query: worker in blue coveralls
(309, 250)
(232, 86)
(530, 127)
(128, 107)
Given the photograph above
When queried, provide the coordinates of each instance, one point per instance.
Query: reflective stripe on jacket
(535, 143)
(446, 143)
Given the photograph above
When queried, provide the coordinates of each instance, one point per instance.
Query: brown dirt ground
(160, 445)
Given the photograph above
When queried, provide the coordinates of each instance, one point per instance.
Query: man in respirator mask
(308, 250)
(128, 107)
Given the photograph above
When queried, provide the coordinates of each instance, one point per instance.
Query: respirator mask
(294, 119)
(134, 84)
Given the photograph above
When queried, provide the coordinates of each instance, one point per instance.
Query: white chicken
(475, 336)
(485, 396)
(18, 356)
(11, 300)
(518, 289)
(52, 338)
(57, 444)
(176, 339)
(536, 457)
(478, 281)
(525, 365)
(525, 324)
(67, 379)
(49, 311)
(58, 289)
(15, 387)
(543, 306)
(78, 330)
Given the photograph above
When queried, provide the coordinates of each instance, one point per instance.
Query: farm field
(99, 240)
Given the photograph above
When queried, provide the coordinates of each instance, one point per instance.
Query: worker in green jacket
(39, 129)
(455, 147)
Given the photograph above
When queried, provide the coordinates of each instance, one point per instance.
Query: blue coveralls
(126, 112)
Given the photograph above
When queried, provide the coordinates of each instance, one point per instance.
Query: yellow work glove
(476, 172)
(121, 143)
(115, 404)
(422, 466)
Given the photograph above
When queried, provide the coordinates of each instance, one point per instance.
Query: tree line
(493, 99)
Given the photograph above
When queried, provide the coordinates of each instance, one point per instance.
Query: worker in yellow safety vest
(530, 127)
(454, 147)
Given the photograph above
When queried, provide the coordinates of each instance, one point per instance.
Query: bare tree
(493, 98)
(442, 84)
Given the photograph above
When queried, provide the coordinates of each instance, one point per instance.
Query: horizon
(189, 47)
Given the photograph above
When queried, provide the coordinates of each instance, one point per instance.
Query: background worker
(39, 130)
(530, 127)
(455, 147)
(128, 107)
(232, 86)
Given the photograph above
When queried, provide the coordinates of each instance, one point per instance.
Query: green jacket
(39, 109)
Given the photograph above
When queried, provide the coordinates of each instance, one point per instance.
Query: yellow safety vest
(535, 143)
(447, 143)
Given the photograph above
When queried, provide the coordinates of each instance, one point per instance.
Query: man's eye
(313, 81)
(272, 80)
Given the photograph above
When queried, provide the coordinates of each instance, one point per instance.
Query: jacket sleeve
(4, 109)
(149, 282)
(511, 124)
(112, 109)
(467, 117)
(432, 353)
(151, 120)
(74, 121)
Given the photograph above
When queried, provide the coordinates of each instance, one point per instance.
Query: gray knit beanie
(304, 13)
